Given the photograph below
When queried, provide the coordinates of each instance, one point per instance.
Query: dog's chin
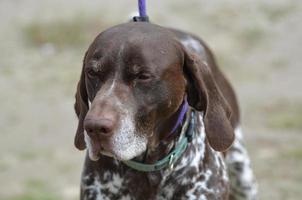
(120, 147)
(94, 156)
(124, 155)
(108, 154)
(118, 154)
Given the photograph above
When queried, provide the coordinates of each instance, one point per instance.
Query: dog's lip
(110, 154)
(105, 152)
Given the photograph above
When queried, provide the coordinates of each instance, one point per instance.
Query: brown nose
(103, 127)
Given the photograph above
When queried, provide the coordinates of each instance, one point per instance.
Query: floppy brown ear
(204, 95)
(81, 109)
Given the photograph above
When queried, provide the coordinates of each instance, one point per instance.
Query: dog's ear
(81, 109)
(204, 95)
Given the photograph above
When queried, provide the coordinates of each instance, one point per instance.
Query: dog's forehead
(132, 30)
(140, 38)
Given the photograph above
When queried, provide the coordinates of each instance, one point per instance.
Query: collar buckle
(171, 162)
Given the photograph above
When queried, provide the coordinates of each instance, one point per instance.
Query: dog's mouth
(119, 152)
(95, 155)
(119, 147)
(107, 153)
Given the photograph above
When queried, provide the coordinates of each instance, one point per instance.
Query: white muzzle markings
(126, 142)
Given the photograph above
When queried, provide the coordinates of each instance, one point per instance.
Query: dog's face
(132, 84)
(130, 76)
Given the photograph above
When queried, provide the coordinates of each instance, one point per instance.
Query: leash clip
(141, 19)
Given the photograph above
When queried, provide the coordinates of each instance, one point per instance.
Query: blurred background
(257, 44)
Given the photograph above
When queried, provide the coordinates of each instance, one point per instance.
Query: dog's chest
(199, 174)
(189, 182)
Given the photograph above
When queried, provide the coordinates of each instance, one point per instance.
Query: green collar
(169, 160)
(172, 157)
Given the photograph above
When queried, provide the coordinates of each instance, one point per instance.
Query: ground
(42, 43)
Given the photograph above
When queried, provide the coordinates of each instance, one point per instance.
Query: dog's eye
(91, 72)
(144, 77)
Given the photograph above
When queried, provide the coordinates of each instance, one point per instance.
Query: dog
(159, 119)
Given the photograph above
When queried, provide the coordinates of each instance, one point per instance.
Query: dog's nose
(103, 127)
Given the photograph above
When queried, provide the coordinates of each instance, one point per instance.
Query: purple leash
(142, 12)
(142, 8)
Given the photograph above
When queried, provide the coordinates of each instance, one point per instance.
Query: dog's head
(134, 78)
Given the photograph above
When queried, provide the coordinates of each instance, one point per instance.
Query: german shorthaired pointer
(159, 119)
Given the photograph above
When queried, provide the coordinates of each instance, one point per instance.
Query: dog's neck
(168, 135)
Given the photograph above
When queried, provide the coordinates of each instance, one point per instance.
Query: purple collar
(184, 108)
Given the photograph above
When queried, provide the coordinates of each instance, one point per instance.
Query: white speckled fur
(243, 183)
(97, 188)
(93, 189)
(193, 160)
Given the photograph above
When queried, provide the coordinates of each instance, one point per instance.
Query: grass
(3, 166)
(282, 114)
(279, 63)
(283, 120)
(35, 196)
(276, 12)
(295, 154)
(285, 116)
(36, 190)
(28, 155)
(252, 35)
(6, 71)
(62, 33)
